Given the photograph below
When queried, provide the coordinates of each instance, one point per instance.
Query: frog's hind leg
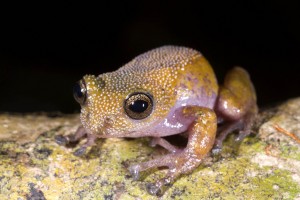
(236, 105)
(201, 136)
(164, 161)
(223, 131)
(243, 126)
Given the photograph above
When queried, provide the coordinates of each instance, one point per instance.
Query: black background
(45, 47)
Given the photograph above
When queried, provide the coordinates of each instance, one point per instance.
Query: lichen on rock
(264, 166)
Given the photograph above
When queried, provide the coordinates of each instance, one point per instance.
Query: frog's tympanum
(166, 91)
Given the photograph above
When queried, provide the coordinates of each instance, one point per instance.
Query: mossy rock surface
(32, 166)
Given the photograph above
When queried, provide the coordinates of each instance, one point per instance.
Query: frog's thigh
(236, 95)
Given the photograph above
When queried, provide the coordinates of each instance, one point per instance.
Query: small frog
(166, 91)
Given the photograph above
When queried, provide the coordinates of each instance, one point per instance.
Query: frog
(170, 90)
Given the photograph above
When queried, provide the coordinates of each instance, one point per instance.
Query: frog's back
(174, 57)
(175, 76)
(157, 71)
(197, 84)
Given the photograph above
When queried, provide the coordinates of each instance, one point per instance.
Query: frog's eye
(79, 92)
(138, 105)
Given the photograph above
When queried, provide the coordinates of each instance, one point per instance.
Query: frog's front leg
(201, 136)
(64, 140)
(236, 105)
(79, 134)
(164, 143)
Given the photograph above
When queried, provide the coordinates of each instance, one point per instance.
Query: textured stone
(265, 165)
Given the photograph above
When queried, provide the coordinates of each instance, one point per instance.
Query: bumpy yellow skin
(186, 98)
(162, 73)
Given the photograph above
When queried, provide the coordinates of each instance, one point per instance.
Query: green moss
(288, 151)
(103, 174)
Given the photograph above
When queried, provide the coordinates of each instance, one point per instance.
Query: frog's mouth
(96, 124)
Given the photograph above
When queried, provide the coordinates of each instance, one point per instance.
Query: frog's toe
(61, 140)
(216, 151)
(135, 171)
(153, 142)
(153, 189)
(241, 137)
(160, 186)
(79, 152)
(242, 134)
(217, 148)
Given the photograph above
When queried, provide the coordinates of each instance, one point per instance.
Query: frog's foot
(248, 122)
(164, 143)
(222, 134)
(90, 142)
(79, 134)
(243, 126)
(64, 140)
(177, 163)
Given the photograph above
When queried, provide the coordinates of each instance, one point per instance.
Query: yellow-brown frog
(166, 91)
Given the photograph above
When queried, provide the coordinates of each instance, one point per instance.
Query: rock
(265, 165)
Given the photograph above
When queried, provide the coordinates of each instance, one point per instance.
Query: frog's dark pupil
(77, 90)
(138, 106)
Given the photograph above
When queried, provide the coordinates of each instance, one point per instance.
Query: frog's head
(135, 98)
(121, 105)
